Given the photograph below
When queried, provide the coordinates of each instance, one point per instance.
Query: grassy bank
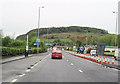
(109, 53)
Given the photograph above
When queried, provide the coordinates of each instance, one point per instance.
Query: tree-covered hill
(70, 29)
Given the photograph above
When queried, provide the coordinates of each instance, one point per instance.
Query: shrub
(8, 51)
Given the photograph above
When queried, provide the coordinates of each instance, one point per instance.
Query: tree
(6, 41)
(32, 41)
(58, 42)
(108, 39)
(1, 35)
(78, 43)
(118, 40)
(54, 44)
(43, 46)
(52, 37)
(69, 29)
(18, 43)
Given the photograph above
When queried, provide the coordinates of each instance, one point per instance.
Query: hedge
(8, 51)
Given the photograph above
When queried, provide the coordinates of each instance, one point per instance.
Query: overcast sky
(20, 16)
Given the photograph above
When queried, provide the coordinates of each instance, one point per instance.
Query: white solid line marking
(80, 71)
(22, 75)
(71, 64)
(14, 80)
(115, 69)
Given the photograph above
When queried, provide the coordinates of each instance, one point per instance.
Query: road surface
(68, 69)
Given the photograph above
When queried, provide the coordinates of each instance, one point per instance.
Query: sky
(20, 16)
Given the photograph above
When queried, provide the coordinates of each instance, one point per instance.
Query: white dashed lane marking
(22, 75)
(71, 64)
(32, 67)
(35, 65)
(28, 70)
(80, 71)
(14, 80)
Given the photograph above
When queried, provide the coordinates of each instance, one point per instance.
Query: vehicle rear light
(56, 54)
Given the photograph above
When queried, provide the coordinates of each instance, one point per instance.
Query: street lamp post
(38, 27)
(47, 37)
(116, 29)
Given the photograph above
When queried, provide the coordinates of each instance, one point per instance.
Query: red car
(56, 54)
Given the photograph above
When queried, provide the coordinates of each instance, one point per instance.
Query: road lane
(13, 69)
(53, 70)
(93, 70)
(60, 70)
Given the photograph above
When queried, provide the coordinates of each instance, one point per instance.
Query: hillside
(66, 30)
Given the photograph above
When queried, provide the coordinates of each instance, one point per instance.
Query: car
(117, 54)
(56, 54)
(80, 50)
(93, 52)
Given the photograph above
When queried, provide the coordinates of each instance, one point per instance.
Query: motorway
(68, 69)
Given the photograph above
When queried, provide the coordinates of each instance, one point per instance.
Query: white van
(93, 52)
(117, 54)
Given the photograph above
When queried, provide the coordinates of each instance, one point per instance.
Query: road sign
(100, 49)
(37, 41)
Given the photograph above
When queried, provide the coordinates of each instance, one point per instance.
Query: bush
(8, 51)
(8, 42)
